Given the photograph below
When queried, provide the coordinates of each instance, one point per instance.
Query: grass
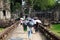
(56, 29)
(1, 29)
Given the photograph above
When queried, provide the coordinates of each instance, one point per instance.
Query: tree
(12, 5)
(15, 4)
(42, 4)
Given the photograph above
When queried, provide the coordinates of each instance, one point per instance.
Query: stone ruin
(5, 9)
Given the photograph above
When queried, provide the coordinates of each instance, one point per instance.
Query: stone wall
(5, 5)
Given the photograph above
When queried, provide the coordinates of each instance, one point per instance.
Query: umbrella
(38, 21)
(22, 18)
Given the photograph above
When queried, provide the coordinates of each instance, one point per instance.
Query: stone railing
(7, 31)
(49, 35)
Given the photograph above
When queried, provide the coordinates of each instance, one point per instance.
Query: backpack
(30, 24)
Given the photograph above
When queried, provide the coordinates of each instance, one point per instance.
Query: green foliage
(55, 29)
(30, 2)
(17, 6)
(43, 4)
(51, 2)
(1, 29)
(12, 5)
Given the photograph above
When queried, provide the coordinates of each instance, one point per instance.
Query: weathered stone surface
(5, 5)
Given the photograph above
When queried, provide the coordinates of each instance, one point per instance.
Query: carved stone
(5, 5)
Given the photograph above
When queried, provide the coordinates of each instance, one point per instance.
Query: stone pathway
(19, 34)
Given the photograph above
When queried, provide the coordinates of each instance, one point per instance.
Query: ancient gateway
(5, 9)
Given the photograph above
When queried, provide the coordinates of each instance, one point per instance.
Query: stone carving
(5, 9)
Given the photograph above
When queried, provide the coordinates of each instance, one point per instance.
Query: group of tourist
(30, 23)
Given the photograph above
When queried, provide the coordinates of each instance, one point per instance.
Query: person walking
(30, 25)
(25, 24)
(21, 21)
(37, 23)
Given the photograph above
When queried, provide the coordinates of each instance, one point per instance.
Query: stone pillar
(8, 15)
(1, 14)
(1, 9)
(57, 16)
(1, 4)
(7, 9)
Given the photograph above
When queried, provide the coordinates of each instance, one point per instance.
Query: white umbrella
(22, 18)
(38, 21)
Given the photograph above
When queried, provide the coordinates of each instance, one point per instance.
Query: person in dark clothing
(36, 26)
